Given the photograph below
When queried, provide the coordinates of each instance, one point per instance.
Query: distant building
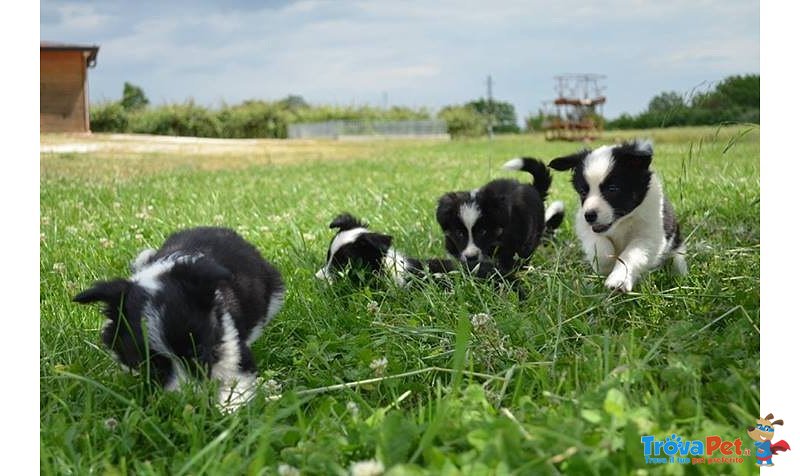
(64, 86)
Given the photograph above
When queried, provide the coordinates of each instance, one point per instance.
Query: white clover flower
(379, 366)
(218, 218)
(481, 320)
(139, 237)
(58, 267)
(72, 230)
(116, 205)
(352, 407)
(370, 467)
(372, 307)
(308, 236)
(287, 470)
(111, 424)
(272, 387)
(106, 243)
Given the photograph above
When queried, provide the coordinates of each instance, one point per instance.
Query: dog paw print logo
(762, 434)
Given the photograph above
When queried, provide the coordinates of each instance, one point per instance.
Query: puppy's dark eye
(457, 233)
(612, 188)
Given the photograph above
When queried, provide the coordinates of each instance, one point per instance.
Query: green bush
(254, 119)
(262, 119)
(108, 116)
(187, 119)
(463, 121)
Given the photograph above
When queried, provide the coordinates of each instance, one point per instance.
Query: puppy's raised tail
(542, 179)
(553, 216)
(541, 176)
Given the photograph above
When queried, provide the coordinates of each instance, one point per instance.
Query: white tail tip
(513, 164)
(554, 209)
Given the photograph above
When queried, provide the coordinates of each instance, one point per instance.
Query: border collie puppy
(355, 248)
(192, 308)
(625, 223)
(501, 223)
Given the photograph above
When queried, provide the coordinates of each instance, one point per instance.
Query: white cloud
(422, 53)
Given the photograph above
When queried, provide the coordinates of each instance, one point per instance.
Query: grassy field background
(475, 381)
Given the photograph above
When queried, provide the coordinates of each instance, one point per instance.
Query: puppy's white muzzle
(471, 253)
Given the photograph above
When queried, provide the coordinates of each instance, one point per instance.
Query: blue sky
(417, 53)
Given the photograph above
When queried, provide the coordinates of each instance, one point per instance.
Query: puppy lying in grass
(355, 249)
(192, 308)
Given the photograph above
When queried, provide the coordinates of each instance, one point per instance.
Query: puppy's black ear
(569, 161)
(104, 291)
(446, 206)
(379, 241)
(346, 221)
(202, 270)
(638, 152)
(200, 279)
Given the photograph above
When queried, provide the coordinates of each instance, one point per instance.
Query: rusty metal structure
(576, 114)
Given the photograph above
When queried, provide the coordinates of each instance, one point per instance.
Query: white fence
(369, 129)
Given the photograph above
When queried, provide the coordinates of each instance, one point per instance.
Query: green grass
(566, 380)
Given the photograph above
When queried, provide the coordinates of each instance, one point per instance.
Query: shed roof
(91, 58)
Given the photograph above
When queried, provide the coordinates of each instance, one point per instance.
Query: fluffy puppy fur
(355, 248)
(192, 308)
(501, 223)
(625, 222)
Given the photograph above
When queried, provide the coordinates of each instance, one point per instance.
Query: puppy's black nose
(590, 216)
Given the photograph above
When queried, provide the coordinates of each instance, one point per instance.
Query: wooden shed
(64, 86)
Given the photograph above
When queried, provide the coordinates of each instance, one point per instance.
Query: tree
(463, 121)
(133, 97)
(293, 102)
(738, 91)
(666, 102)
(504, 118)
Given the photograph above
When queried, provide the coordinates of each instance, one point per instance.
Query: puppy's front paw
(142, 259)
(620, 281)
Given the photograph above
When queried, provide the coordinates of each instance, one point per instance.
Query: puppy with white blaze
(354, 248)
(625, 222)
(191, 309)
(497, 227)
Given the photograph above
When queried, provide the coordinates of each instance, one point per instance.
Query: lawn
(476, 380)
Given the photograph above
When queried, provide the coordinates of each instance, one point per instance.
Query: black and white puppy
(355, 248)
(500, 223)
(625, 222)
(192, 308)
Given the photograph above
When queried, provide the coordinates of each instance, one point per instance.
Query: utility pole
(490, 106)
